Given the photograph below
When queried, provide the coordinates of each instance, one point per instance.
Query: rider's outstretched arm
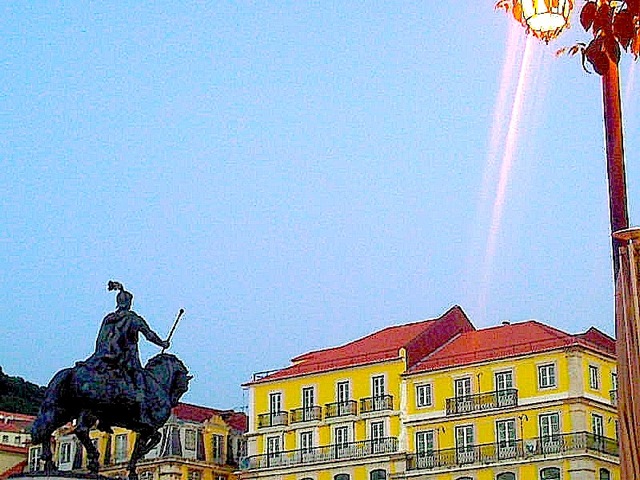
(150, 334)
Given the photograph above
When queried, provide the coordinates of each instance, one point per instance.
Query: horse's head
(170, 371)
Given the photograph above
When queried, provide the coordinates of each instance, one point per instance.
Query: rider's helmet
(124, 299)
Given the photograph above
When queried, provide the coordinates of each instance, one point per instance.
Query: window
(597, 425)
(504, 381)
(377, 431)
(549, 425)
(16, 440)
(146, 475)
(341, 435)
(273, 446)
(506, 434)
(614, 381)
(377, 386)
(275, 403)
(594, 377)
(547, 376)
(424, 443)
(464, 444)
(341, 476)
(121, 447)
(550, 473)
(5, 438)
(462, 387)
(342, 392)
(506, 476)
(190, 439)
(423, 395)
(378, 474)
(65, 452)
(306, 441)
(605, 474)
(34, 458)
(464, 478)
(217, 445)
(195, 475)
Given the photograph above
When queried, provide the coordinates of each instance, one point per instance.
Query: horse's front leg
(145, 441)
(85, 422)
(47, 456)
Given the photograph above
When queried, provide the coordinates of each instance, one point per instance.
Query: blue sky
(294, 174)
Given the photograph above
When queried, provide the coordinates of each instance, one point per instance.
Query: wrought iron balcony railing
(613, 395)
(273, 419)
(483, 401)
(306, 414)
(341, 409)
(513, 449)
(327, 453)
(376, 404)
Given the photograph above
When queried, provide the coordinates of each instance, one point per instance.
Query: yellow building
(198, 443)
(440, 400)
(518, 401)
(14, 437)
(337, 413)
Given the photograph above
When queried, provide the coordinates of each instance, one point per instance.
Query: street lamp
(545, 19)
(615, 26)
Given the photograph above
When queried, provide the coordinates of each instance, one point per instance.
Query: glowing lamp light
(545, 19)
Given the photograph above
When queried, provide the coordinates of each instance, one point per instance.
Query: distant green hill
(19, 396)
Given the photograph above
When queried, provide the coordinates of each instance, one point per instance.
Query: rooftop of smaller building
(15, 422)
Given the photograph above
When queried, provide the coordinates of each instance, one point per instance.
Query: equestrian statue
(111, 388)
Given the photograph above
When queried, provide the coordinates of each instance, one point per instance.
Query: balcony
(513, 450)
(273, 419)
(483, 401)
(341, 409)
(613, 395)
(306, 414)
(327, 453)
(376, 404)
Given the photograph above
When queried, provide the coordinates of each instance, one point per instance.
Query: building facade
(14, 438)
(198, 443)
(440, 400)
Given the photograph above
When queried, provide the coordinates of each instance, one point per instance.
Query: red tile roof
(5, 447)
(417, 338)
(15, 422)
(510, 340)
(17, 468)
(197, 413)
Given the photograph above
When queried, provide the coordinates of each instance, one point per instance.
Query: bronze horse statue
(89, 394)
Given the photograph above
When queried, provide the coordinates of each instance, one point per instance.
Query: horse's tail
(51, 411)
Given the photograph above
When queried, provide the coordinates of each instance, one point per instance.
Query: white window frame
(501, 382)
(273, 445)
(121, 446)
(547, 376)
(597, 424)
(549, 426)
(275, 403)
(34, 458)
(425, 442)
(65, 452)
(377, 430)
(217, 448)
(341, 435)
(594, 377)
(190, 439)
(424, 395)
(306, 441)
(462, 387)
(378, 386)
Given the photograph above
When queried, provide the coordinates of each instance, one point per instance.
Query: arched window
(341, 476)
(550, 473)
(378, 474)
(464, 478)
(605, 474)
(506, 476)
(306, 478)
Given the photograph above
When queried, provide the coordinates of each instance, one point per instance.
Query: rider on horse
(116, 350)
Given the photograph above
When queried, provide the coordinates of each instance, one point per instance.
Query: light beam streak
(504, 174)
